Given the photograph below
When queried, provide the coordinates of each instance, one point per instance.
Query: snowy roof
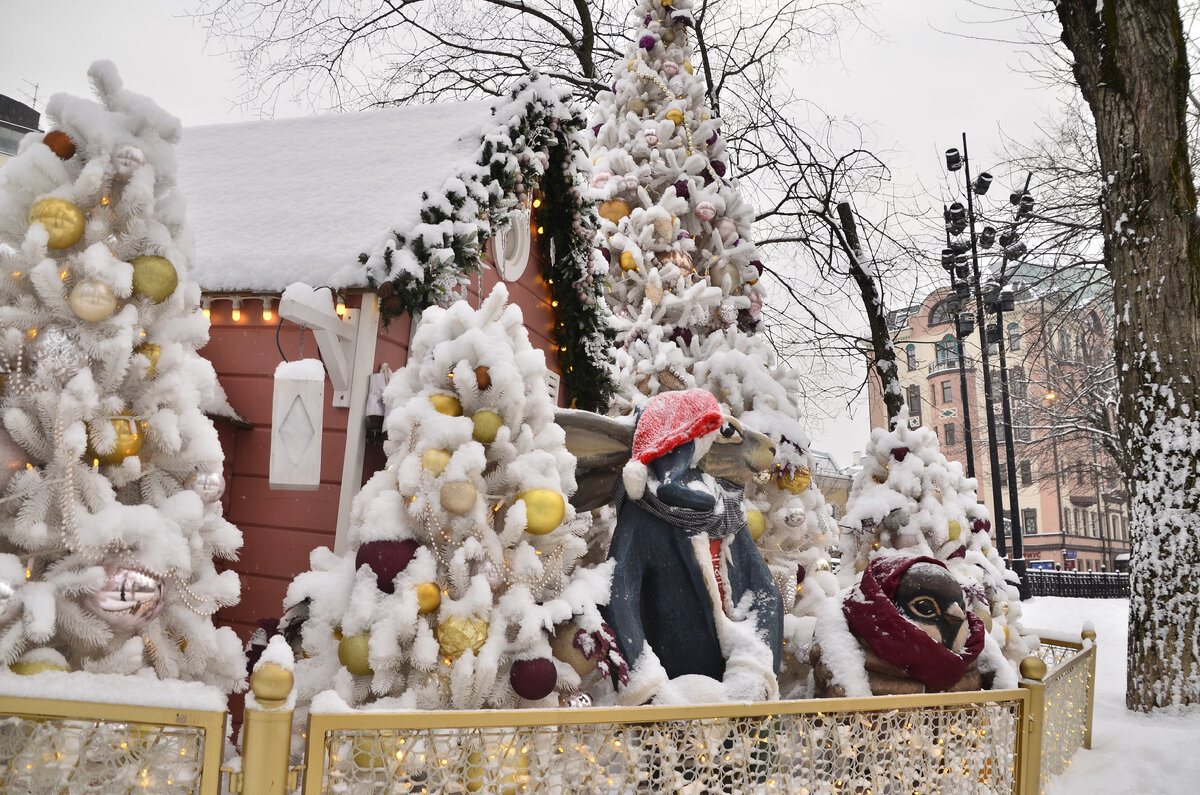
(275, 202)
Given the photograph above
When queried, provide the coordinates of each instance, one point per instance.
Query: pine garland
(535, 144)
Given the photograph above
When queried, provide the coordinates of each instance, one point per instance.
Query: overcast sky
(919, 84)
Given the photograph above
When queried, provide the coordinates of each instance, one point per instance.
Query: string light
(206, 307)
(236, 313)
(268, 314)
(340, 307)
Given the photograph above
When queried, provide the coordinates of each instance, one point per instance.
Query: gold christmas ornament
(458, 497)
(955, 530)
(544, 510)
(93, 301)
(675, 115)
(637, 106)
(628, 263)
(370, 753)
(487, 424)
(687, 66)
(435, 461)
(151, 352)
(130, 434)
(429, 597)
(614, 210)
(39, 660)
(668, 35)
(796, 480)
(756, 523)
(352, 653)
(563, 647)
(446, 404)
(456, 635)
(154, 277)
(513, 771)
(61, 218)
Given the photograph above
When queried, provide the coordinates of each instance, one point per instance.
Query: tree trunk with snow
(1131, 65)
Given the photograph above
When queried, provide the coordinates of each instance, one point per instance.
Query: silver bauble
(575, 701)
(128, 600)
(209, 485)
(126, 159)
(58, 352)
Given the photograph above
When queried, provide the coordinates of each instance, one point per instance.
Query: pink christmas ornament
(601, 178)
(651, 135)
(670, 68)
(727, 229)
(705, 211)
(755, 304)
(128, 600)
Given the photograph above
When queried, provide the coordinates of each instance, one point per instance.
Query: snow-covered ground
(1131, 752)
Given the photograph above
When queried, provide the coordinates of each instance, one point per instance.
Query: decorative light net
(1066, 715)
(68, 755)
(960, 748)
(1054, 655)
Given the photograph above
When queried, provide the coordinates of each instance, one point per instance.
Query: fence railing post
(1033, 671)
(266, 734)
(1090, 634)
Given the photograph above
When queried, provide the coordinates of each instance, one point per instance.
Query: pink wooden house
(273, 203)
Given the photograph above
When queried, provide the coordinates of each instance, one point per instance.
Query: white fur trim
(840, 650)
(646, 677)
(703, 444)
(635, 474)
(992, 660)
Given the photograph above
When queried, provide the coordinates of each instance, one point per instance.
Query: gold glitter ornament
(687, 67)
(637, 105)
(487, 424)
(435, 461)
(39, 660)
(756, 523)
(446, 404)
(93, 301)
(458, 497)
(675, 115)
(455, 635)
(563, 647)
(151, 352)
(61, 218)
(544, 510)
(154, 277)
(955, 530)
(352, 653)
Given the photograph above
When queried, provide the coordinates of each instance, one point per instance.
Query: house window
(950, 434)
(1029, 521)
(914, 405)
(1014, 337)
(1026, 473)
(911, 352)
(947, 392)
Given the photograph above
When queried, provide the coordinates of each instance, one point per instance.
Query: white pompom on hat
(668, 420)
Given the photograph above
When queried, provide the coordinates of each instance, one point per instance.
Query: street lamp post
(960, 219)
(964, 324)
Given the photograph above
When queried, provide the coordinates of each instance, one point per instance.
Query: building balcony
(950, 363)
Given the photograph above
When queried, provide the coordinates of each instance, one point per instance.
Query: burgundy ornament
(386, 558)
(682, 335)
(647, 42)
(533, 679)
(718, 166)
(596, 127)
(899, 453)
(758, 266)
(800, 573)
(712, 139)
(961, 552)
(981, 525)
(682, 190)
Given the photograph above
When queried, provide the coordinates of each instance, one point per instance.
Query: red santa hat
(668, 420)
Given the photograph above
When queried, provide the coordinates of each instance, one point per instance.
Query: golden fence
(49, 746)
(1008, 741)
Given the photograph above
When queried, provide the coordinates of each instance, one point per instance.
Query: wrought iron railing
(1085, 585)
(950, 363)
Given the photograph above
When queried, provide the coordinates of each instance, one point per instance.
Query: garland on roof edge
(534, 148)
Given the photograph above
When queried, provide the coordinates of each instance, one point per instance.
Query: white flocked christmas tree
(110, 513)
(462, 588)
(909, 499)
(686, 300)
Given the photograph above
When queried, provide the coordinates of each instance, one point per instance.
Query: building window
(1014, 337)
(1079, 528)
(1029, 521)
(911, 352)
(914, 405)
(951, 436)
(946, 351)
(947, 392)
(1026, 473)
